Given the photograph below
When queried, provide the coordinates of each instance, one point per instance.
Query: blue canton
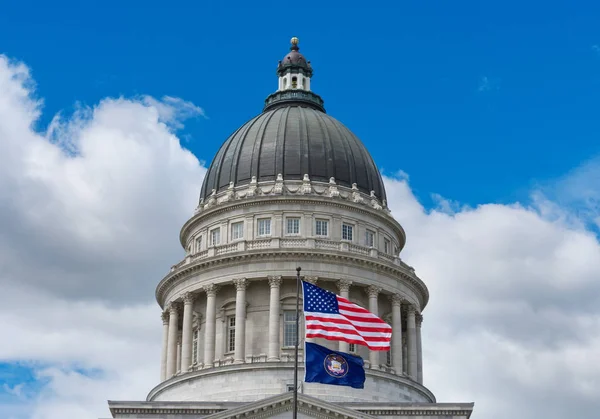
(319, 300)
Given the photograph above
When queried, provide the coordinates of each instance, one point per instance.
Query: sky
(480, 116)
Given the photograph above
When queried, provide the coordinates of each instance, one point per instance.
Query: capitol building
(292, 187)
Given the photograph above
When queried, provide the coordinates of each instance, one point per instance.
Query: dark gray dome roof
(293, 140)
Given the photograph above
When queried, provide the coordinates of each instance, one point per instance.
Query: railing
(293, 95)
(354, 248)
(259, 244)
(327, 245)
(291, 243)
(226, 249)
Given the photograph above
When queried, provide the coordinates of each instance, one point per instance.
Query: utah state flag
(325, 366)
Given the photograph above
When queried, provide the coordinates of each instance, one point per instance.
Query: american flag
(333, 317)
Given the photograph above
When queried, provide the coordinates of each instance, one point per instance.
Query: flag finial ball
(294, 41)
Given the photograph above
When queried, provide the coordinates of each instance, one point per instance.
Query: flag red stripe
(348, 332)
(346, 339)
(347, 322)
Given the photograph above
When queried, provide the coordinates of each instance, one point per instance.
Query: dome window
(294, 82)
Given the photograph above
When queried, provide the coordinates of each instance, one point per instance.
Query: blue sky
(476, 101)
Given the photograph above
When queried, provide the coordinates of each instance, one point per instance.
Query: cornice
(308, 405)
(378, 265)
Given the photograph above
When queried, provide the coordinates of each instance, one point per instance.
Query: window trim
(352, 229)
(236, 223)
(212, 242)
(290, 218)
(387, 246)
(229, 338)
(258, 220)
(284, 321)
(373, 238)
(327, 223)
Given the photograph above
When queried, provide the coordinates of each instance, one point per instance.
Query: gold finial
(294, 41)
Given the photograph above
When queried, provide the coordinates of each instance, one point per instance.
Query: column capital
(419, 319)
(373, 291)
(411, 309)
(188, 298)
(173, 308)
(165, 317)
(344, 285)
(240, 283)
(211, 289)
(311, 279)
(275, 281)
(396, 299)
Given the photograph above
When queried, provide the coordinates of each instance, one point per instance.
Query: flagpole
(298, 269)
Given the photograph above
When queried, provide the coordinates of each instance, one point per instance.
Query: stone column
(211, 317)
(344, 287)
(165, 346)
(187, 332)
(396, 333)
(178, 368)
(172, 344)
(419, 350)
(412, 342)
(373, 293)
(239, 356)
(274, 309)
(404, 354)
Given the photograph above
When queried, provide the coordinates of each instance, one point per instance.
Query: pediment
(281, 406)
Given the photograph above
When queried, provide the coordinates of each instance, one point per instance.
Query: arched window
(294, 82)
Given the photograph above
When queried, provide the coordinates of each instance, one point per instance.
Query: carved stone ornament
(252, 188)
(211, 289)
(240, 284)
(396, 299)
(333, 189)
(188, 298)
(356, 196)
(278, 188)
(419, 319)
(344, 285)
(311, 279)
(373, 291)
(165, 317)
(173, 308)
(275, 281)
(306, 188)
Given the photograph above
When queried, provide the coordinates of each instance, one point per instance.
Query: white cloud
(86, 233)
(513, 321)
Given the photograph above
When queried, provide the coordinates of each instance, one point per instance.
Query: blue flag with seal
(325, 366)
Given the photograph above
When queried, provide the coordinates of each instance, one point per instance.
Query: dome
(293, 139)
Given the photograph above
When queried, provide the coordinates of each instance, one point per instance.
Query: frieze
(204, 265)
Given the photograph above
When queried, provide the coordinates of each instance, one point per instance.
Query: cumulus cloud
(89, 215)
(513, 321)
(89, 220)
